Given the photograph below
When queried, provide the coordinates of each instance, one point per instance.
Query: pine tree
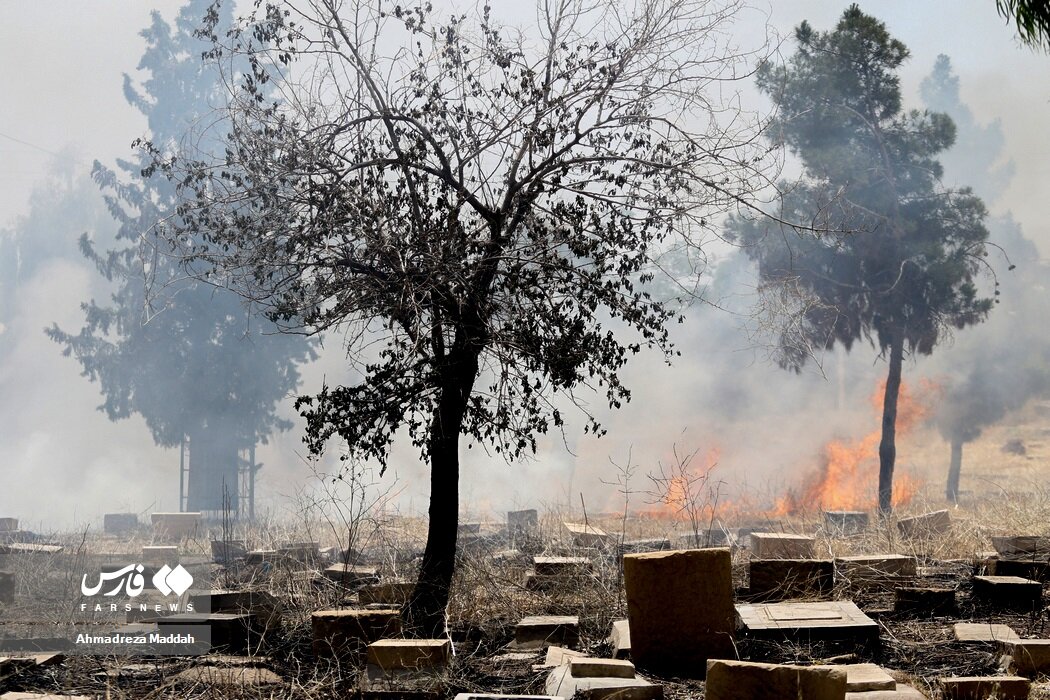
(183, 354)
(898, 257)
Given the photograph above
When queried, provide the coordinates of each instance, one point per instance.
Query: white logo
(168, 580)
(131, 580)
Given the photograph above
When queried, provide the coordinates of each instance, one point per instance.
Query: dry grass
(1004, 493)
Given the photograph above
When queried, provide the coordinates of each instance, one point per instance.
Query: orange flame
(848, 476)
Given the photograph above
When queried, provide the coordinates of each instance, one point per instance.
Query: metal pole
(251, 483)
(182, 474)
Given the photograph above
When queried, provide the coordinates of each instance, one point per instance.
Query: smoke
(1001, 364)
(65, 463)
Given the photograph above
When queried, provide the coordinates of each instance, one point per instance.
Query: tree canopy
(898, 254)
(190, 361)
(1002, 364)
(1031, 18)
(478, 208)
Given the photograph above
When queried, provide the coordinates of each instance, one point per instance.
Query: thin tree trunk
(424, 613)
(954, 469)
(888, 445)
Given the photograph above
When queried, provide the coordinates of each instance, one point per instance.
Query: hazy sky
(62, 60)
(61, 65)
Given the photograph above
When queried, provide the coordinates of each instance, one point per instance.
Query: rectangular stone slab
(927, 525)
(778, 545)
(409, 654)
(860, 677)
(840, 623)
(1029, 657)
(924, 602)
(584, 535)
(680, 608)
(538, 631)
(902, 692)
(846, 521)
(743, 680)
(1008, 592)
(982, 687)
(1022, 546)
(620, 638)
(590, 667)
(566, 567)
(561, 683)
(983, 632)
(338, 633)
(778, 579)
(874, 568)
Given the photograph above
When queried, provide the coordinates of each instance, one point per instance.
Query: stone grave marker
(680, 608)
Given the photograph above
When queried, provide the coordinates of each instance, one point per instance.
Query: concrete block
(1008, 592)
(560, 656)
(924, 602)
(590, 667)
(642, 546)
(1022, 546)
(175, 526)
(984, 687)
(261, 604)
(386, 593)
(837, 624)
(230, 632)
(160, 554)
(705, 539)
(620, 638)
(561, 683)
(410, 654)
(902, 692)
(225, 676)
(539, 631)
(350, 575)
(584, 535)
(778, 545)
(523, 524)
(42, 696)
(680, 608)
(338, 633)
(8, 524)
(1029, 657)
(227, 551)
(743, 680)
(1033, 569)
(556, 571)
(983, 632)
(860, 677)
(846, 522)
(870, 570)
(927, 525)
(777, 579)
(303, 552)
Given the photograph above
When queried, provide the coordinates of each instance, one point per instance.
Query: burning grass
(490, 593)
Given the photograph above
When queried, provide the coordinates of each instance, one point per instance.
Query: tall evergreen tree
(183, 354)
(1005, 362)
(897, 261)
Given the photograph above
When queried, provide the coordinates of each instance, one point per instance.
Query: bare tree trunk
(888, 445)
(954, 469)
(424, 613)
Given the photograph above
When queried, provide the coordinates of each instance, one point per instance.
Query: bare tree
(479, 209)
